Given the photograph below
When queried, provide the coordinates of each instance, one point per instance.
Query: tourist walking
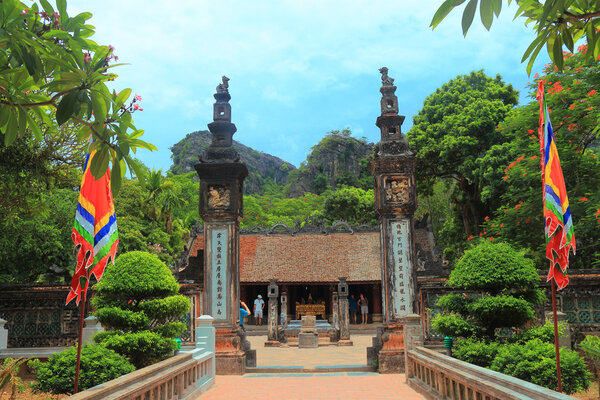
(364, 308)
(259, 304)
(244, 312)
(353, 307)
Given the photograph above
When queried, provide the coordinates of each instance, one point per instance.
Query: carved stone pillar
(393, 168)
(335, 307)
(221, 207)
(273, 315)
(344, 314)
(284, 309)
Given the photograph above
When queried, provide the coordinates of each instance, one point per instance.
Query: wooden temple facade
(307, 262)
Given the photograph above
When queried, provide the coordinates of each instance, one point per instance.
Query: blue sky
(298, 68)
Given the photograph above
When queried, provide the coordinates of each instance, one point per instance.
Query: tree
(137, 301)
(49, 63)
(455, 127)
(556, 23)
(349, 204)
(512, 173)
(505, 283)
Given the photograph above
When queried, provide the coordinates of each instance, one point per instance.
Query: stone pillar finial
(389, 122)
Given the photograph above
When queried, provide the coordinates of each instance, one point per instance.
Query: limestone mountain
(338, 159)
(264, 170)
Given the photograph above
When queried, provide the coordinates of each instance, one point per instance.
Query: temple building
(307, 262)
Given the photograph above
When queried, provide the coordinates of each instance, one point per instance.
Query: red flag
(95, 230)
(559, 231)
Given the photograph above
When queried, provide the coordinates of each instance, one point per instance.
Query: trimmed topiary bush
(535, 362)
(476, 352)
(98, 365)
(137, 301)
(508, 282)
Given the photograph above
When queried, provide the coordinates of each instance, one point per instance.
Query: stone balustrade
(183, 376)
(437, 376)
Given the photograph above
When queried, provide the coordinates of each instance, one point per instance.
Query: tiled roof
(310, 257)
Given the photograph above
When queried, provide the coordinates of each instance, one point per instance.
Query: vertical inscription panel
(219, 271)
(402, 267)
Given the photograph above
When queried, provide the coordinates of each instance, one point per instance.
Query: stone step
(318, 369)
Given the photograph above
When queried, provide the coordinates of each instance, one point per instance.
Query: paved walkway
(344, 386)
(311, 386)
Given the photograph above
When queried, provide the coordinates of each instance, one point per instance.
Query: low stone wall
(184, 376)
(437, 376)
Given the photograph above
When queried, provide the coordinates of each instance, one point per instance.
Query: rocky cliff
(338, 159)
(264, 169)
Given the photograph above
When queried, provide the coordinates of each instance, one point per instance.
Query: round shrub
(137, 302)
(493, 267)
(475, 351)
(98, 365)
(135, 275)
(535, 362)
(454, 325)
(141, 348)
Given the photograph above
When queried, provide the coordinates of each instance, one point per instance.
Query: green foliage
(475, 351)
(454, 325)
(50, 64)
(136, 276)
(513, 168)
(141, 348)
(10, 382)
(320, 183)
(137, 301)
(493, 267)
(535, 362)
(500, 311)
(98, 365)
(349, 204)
(455, 127)
(38, 246)
(591, 347)
(557, 23)
(508, 281)
(545, 333)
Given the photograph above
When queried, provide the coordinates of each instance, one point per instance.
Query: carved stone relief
(218, 196)
(397, 190)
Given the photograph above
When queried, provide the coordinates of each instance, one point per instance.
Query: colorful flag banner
(95, 230)
(560, 235)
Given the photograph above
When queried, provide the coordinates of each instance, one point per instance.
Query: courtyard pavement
(309, 386)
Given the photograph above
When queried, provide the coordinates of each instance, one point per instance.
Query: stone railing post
(565, 339)
(3, 335)
(413, 338)
(205, 337)
(90, 328)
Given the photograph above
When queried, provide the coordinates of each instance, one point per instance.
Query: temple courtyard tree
(456, 126)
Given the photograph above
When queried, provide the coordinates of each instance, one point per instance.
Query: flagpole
(556, 346)
(81, 315)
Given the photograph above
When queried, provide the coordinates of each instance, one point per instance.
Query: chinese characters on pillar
(219, 273)
(401, 246)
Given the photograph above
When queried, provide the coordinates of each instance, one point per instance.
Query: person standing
(353, 307)
(259, 305)
(364, 308)
(244, 312)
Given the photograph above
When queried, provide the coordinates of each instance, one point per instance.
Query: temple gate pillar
(344, 314)
(272, 333)
(221, 207)
(393, 169)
